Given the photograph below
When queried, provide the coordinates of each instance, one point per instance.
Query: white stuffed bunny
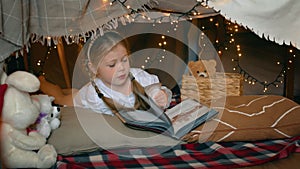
(19, 148)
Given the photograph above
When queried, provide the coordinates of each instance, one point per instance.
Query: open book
(175, 122)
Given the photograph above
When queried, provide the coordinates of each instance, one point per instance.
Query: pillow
(250, 118)
(83, 130)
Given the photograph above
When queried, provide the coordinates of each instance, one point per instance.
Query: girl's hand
(161, 98)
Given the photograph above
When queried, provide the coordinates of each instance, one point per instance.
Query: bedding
(191, 155)
(251, 131)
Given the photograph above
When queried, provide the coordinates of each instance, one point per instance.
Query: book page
(185, 112)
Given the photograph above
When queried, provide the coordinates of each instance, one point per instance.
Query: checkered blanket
(196, 155)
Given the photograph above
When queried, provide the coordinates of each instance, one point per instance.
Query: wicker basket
(207, 89)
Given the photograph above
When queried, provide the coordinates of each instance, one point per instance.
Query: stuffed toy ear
(3, 88)
(23, 81)
(51, 98)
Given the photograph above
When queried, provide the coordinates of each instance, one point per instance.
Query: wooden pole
(289, 77)
(25, 59)
(63, 62)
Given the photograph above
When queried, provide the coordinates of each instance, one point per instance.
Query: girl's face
(114, 68)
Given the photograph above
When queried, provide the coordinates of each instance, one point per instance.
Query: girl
(113, 84)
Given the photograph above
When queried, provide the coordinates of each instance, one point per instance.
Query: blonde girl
(113, 83)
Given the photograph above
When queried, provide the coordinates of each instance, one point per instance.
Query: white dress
(88, 98)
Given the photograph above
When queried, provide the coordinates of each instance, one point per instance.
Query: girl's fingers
(161, 98)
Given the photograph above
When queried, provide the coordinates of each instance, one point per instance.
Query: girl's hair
(98, 47)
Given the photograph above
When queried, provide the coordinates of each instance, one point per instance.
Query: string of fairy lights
(179, 15)
(171, 17)
(160, 57)
(231, 30)
(248, 77)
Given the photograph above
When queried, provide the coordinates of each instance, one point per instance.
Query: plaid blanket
(195, 155)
